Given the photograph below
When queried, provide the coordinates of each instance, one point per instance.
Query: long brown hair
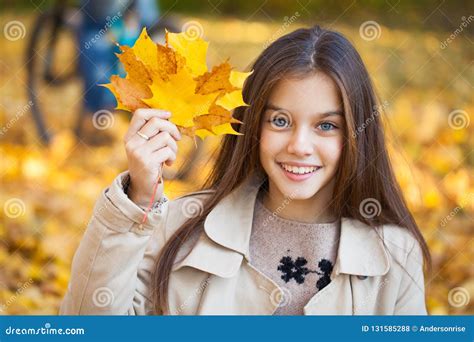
(365, 170)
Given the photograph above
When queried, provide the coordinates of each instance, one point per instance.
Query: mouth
(298, 173)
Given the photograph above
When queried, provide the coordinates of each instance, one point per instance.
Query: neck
(312, 210)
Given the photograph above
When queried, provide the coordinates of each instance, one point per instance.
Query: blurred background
(61, 141)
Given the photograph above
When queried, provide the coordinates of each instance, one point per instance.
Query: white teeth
(299, 170)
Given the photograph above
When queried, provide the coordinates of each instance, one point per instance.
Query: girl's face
(302, 137)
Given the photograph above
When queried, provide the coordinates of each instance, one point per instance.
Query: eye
(280, 120)
(327, 126)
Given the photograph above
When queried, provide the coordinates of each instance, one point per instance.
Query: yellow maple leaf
(175, 77)
(129, 93)
(178, 96)
(231, 100)
(215, 81)
(146, 51)
(193, 50)
(238, 78)
(134, 67)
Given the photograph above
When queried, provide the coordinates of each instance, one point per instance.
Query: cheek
(330, 151)
(271, 144)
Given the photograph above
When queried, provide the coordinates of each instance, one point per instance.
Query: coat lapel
(227, 228)
(334, 299)
(361, 250)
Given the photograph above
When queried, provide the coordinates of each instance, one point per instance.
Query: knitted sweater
(298, 256)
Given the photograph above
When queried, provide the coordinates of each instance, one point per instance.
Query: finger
(163, 155)
(159, 141)
(141, 116)
(151, 129)
(155, 126)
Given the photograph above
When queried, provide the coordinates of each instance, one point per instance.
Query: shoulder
(396, 239)
(407, 269)
(401, 243)
(388, 242)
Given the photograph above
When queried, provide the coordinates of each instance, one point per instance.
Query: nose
(300, 143)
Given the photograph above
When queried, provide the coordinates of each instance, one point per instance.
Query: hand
(145, 157)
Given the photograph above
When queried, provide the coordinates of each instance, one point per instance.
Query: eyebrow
(325, 114)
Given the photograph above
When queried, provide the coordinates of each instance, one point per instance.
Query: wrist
(141, 200)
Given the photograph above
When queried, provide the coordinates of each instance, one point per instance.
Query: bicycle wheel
(53, 89)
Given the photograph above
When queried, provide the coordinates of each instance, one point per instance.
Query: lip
(295, 177)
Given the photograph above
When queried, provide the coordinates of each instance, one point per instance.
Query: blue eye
(327, 126)
(280, 120)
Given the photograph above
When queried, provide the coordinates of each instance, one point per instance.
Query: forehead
(315, 93)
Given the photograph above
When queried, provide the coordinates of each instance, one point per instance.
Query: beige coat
(112, 268)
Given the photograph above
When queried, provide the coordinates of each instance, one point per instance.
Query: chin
(298, 191)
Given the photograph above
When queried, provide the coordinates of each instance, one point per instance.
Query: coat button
(361, 277)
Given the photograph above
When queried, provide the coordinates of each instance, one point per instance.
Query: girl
(301, 214)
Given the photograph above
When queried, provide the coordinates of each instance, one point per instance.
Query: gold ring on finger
(143, 135)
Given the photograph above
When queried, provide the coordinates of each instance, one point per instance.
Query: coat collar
(228, 227)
